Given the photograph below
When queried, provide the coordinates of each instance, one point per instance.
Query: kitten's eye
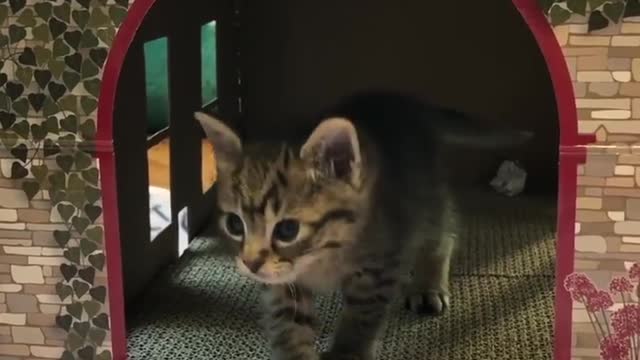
(234, 224)
(286, 230)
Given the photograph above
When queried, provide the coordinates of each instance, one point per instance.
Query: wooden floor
(159, 165)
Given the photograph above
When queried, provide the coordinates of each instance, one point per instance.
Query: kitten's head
(284, 206)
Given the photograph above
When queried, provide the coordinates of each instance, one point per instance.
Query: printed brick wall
(605, 69)
(29, 270)
(30, 262)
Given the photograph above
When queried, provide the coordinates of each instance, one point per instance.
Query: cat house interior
(265, 67)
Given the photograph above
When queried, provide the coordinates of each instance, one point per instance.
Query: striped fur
(371, 207)
(289, 322)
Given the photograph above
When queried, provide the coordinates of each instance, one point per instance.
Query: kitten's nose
(254, 256)
(254, 264)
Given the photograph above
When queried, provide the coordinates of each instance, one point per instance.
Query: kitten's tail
(457, 129)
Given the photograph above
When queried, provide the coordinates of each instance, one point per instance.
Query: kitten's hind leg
(428, 292)
(289, 322)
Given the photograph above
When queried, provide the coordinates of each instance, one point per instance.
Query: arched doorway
(255, 99)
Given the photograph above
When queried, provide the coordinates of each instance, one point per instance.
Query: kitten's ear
(226, 143)
(333, 146)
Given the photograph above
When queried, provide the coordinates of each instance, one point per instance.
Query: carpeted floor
(502, 306)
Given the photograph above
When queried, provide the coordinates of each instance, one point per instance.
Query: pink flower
(580, 287)
(634, 272)
(626, 321)
(620, 285)
(614, 348)
(600, 301)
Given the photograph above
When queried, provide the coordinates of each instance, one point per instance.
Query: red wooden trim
(572, 153)
(557, 65)
(113, 253)
(106, 103)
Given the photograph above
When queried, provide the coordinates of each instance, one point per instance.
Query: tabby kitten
(355, 207)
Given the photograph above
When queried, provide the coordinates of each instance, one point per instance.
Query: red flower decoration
(634, 272)
(600, 301)
(626, 321)
(614, 348)
(620, 285)
(580, 287)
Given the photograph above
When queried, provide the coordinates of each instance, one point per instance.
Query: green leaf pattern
(599, 13)
(51, 59)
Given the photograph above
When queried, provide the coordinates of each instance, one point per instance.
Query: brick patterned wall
(30, 262)
(605, 69)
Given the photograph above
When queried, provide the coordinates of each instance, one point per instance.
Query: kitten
(356, 206)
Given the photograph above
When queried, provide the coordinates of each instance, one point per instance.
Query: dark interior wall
(480, 57)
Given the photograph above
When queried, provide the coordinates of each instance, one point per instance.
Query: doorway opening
(276, 62)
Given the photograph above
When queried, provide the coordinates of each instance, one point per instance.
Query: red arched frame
(572, 153)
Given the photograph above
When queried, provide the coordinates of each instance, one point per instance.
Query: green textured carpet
(502, 305)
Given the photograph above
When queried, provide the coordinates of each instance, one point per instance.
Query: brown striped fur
(366, 190)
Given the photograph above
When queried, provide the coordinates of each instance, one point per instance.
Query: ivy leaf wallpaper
(600, 13)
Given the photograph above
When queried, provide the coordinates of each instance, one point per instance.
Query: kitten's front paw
(338, 356)
(431, 302)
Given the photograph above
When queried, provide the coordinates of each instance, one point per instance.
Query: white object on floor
(159, 210)
(160, 216)
(183, 231)
(510, 179)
